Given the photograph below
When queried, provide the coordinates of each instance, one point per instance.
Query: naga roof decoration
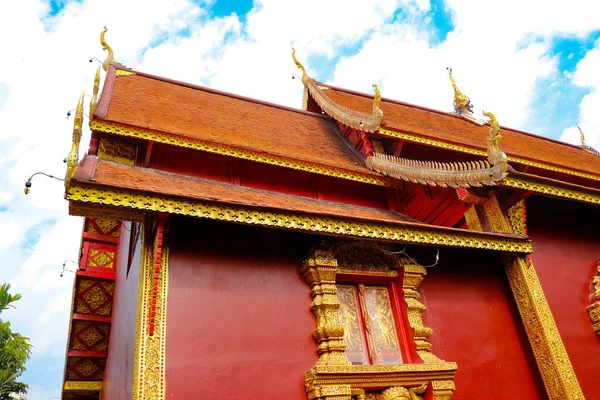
(352, 118)
(110, 59)
(456, 174)
(585, 146)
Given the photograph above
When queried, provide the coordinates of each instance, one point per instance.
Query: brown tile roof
(97, 172)
(195, 112)
(407, 118)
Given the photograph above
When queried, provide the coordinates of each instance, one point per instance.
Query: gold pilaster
(549, 351)
(319, 271)
(149, 360)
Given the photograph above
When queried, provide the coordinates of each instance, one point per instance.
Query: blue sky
(536, 74)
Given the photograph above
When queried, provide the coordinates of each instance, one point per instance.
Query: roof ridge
(449, 114)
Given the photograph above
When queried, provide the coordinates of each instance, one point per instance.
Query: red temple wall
(118, 375)
(265, 177)
(238, 317)
(477, 325)
(566, 247)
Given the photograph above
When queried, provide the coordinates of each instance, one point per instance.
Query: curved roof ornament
(455, 174)
(586, 146)
(110, 59)
(462, 103)
(73, 158)
(352, 118)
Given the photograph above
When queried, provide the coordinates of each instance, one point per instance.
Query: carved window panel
(352, 321)
(383, 336)
(370, 332)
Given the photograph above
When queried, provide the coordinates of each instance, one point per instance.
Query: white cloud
(586, 75)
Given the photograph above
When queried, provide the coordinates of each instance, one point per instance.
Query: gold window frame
(334, 377)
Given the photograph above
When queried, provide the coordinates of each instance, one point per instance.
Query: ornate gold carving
(472, 219)
(516, 217)
(442, 390)
(401, 393)
(552, 189)
(594, 314)
(462, 103)
(149, 359)
(457, 174)
(319, 271)
(296, 221)
(122, 72)
(116, 151)
(469, 150)
(336, 378)
(382, 333)
(83, 385)
(594, 309)
(352, 118)
(73, 158)
(356, 346)
(230, 151)
(549, 351)
(106, 227)
(94, 98)
(110, 59)
(413, 276)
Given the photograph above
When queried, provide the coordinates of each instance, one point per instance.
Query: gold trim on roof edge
(349, 117)
(327, 225)
(469, 150)
(551, 189)
(215, 148)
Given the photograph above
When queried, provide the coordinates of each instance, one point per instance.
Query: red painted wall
(118, 375)
(566, 247)
(477, 325)
(238, 318)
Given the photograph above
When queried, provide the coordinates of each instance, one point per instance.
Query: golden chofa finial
(110, 59)
(300, 66)
(462, 103)
(377, 111)
(583, 143)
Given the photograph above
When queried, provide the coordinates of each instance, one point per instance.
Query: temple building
(358, 248)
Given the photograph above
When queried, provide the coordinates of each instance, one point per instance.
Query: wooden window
(370, 324)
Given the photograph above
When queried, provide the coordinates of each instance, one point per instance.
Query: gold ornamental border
(230, 151)
(149, 357)
(95, 386)
(551, 189)
(477, 152)
(327, 225)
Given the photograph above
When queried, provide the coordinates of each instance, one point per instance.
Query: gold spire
(462, 103)
(95, 94)
(110, 59)
(74, 154)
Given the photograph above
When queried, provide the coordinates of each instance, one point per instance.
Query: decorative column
(319, 271)
(549, 351)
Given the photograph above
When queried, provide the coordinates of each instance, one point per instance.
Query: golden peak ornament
(462, 103)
